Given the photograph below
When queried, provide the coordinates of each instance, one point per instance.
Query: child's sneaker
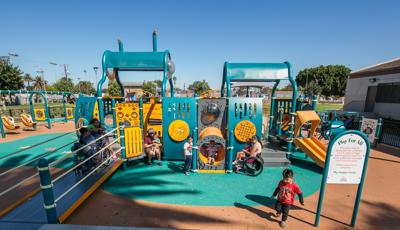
(186, 173)
(278, 214)
(282, 224)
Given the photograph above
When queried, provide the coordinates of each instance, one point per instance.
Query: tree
(64, 84)
(85, 87)
(199, 87)
(10, 76)
(324, 80)
(28, 79)
(287, 88)
(114, 89)
(39, 83)
(149, 88)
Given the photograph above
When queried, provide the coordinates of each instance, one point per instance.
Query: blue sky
(200, 35)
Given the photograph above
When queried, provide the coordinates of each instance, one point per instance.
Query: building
(375, 90)
(133, 90)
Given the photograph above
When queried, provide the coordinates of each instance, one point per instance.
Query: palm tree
(28, 79)
(39, 83)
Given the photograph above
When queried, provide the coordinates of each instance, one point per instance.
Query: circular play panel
(167, 184)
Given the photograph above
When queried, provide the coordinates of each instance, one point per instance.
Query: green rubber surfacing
(32, 153)
(167, 184)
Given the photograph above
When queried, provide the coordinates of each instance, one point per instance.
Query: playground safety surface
(163, 197)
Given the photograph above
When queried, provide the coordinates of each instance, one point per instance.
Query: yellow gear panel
(39, 114)
(133, 142)
(178, 130)
(244, 130)
(127, 113)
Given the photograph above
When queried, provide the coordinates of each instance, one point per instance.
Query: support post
(314, 103)
(3, 133)
(378, 132)
(279, 123)
(65, 108)
(114, 115)
(360, 123)
(122, 142)
(47, 191)
(194, 152)
(141, 115)
(230, 152)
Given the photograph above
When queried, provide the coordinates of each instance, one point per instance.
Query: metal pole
(323, 183)
(361, 184)
(314, 103)
(47, 191)
(378, 132)
(122, 142)
(230, 152)
(194, 152)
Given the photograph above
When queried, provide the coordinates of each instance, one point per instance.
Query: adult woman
(253, 148)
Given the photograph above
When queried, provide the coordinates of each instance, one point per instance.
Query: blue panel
(177, 109)
(84, 108)
(244, 109)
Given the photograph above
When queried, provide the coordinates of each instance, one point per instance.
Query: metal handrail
(84, 178)
(84, 161)
(79, 149)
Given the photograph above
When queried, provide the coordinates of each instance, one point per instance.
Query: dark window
(388, 93)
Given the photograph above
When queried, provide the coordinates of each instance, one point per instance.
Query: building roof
(384, 68)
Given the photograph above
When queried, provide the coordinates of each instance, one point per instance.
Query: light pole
(95, 73)
(64, 65)
(41, 74)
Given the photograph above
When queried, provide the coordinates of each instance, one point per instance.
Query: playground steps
(274, 156)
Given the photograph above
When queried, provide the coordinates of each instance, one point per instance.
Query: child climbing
(286, 191)
(188, 148)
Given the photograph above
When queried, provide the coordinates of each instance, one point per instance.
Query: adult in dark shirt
(151, 147)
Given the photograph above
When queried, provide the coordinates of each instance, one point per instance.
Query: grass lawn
(321, 107)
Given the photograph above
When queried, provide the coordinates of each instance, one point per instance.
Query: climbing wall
(179, 121)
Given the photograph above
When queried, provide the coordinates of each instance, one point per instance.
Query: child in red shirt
(286, 191)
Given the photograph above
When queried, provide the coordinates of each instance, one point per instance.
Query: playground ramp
(313, 148)
(32, 212)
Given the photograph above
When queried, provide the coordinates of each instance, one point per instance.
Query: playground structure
(42, 114)
(223, 124)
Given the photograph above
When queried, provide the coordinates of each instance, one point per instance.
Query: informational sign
(347, 159)
(368, 127)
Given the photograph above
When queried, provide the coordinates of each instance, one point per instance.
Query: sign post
(346, 163)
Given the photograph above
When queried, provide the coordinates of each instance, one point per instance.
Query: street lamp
(95, 73)
(65, 67)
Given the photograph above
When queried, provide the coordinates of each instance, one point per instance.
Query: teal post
(360, 123)
(101, 110)
(300, 103)
(314, 103)
(46, 111)
(122, 142)
(230, 151)
(154, 41)
(141, 115)
(378, 132)
(272, 110)
(114, 115)
(65, 108)
(47, 191)
(3, 133)
(360, 186)
(293, 109)
(279, 123)
(194, 153)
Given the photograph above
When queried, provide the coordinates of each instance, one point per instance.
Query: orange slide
(313, 148)
(309, 145)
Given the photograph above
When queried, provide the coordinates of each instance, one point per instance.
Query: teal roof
(134, 60)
